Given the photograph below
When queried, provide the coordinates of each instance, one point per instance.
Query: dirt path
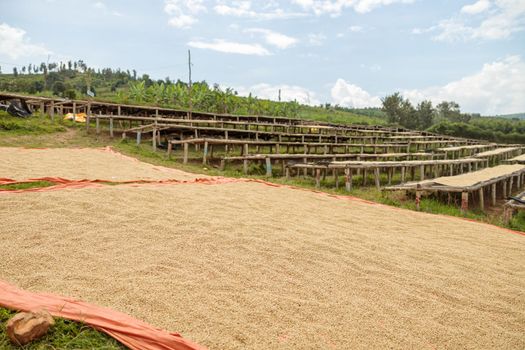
(250, 266)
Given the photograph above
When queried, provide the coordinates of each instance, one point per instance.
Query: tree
(450, 111)
(15, 72)
(407, 115)
(425, 114)
(392, 106)
(23, 69)
(58, 88)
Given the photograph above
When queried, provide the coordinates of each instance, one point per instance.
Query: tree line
(446, 118)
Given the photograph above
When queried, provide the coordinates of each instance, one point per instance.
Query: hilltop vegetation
(75, 79)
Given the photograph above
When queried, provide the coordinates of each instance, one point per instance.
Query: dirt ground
(251, 266)
(81, 164)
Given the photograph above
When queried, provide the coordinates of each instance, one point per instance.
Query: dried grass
(249, 266)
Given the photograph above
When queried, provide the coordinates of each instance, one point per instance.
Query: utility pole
(189, 84)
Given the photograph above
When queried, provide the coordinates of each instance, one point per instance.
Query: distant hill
(512, 116)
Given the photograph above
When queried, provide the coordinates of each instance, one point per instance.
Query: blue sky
(347, 52)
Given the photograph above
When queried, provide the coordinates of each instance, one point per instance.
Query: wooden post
(348, 179)
(507, 214)
(170, 148)
(268, 167)
(111, 127)
(493, 194)
(138, 137)
(205, 153)
(51, 110)
(185, 156)
(504, 183)
(287, 173)
(154, 139)
(464, 202)
(422, 172)
(402, 174)
(87, 123)
(376, 175)
(245, 166)
(481, 200)
(97, 122)
(418, 197)
(317, 178)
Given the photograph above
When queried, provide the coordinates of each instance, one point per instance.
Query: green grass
(64, 334)
(32, 125)
(339, 117)
(26, 185)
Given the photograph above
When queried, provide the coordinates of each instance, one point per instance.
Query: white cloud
(477, 7)
(182, 12)
(504, 19)
(498, 88)
(100, 5)
(373, 68)
(350, 95)
(355, 29)
(316, 39)
(288, 93)
(273, 38)
(231, 47)
(14, 43)
(335, 7)
(244, 9)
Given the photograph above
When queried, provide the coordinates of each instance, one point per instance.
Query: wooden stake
(185, 157)
(464, 202)
(205, 153)
(317, 178)
(481, 200)
(376, 175)
(268, 167)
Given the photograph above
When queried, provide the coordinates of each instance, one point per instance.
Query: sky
(346, 52)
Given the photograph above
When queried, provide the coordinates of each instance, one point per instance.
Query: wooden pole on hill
(189, 84)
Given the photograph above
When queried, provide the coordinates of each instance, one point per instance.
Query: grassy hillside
(124, 87)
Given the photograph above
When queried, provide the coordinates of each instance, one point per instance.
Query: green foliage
(491, 129)
(400, 111)
(450, 111)
(63, 335)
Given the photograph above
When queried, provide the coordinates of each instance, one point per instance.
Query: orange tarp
(129, 331)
